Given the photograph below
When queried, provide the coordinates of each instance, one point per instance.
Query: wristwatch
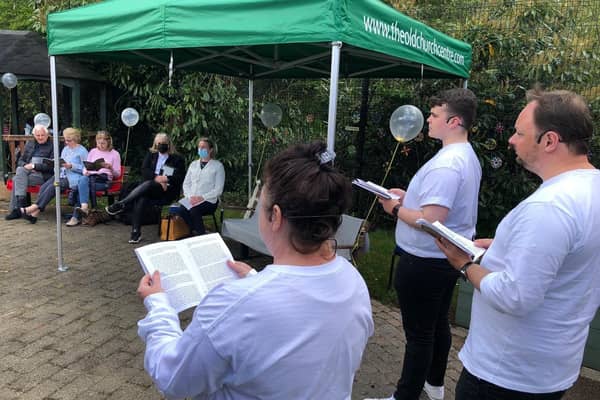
(464, 268)
(395, 210)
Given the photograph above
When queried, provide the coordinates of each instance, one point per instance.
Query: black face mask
(163, 148)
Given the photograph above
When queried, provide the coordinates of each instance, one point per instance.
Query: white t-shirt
(530, 321)
(450, 179)
(286, 333)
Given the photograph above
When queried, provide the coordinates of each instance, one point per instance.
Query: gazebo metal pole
(55, 134)
(333, 93)
(250, 122)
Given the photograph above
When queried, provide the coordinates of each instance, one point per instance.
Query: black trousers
(193, 216)
(147, 193)
(424, 287)
(469, 387)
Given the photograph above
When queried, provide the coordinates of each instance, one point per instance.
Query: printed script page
(176, 279)
(210, 255)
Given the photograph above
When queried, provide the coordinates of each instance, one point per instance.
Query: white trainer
(434, 392)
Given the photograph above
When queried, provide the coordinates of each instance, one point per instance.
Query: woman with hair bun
(297, 329)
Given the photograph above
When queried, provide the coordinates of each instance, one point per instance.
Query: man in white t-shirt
(538, 285)
(445, 189)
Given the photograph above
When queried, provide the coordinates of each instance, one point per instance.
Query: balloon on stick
(42, 119)
(406, 122)
(270, 115)
(130, 117)
(9, 80)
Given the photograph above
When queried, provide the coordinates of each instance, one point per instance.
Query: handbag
(173, 227)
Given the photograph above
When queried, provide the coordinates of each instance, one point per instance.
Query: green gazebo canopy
(260, 38)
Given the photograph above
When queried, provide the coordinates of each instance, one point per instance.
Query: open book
(437, 229)
(94, 166)
(50, 162)
(189, 268)
(377, 190)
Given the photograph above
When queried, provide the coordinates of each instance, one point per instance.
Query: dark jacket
(34, 149)
(175, 181)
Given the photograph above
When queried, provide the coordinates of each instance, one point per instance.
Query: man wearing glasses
(538, 284)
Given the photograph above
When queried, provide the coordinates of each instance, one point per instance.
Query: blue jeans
(88, 185)
(424, 287)
(469, 387)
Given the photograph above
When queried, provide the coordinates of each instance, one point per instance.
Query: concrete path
(73, 335)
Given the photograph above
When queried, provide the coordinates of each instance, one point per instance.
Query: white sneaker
(73, 222)
(434, 392)
(387, 398)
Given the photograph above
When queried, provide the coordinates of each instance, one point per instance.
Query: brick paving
(73, 335)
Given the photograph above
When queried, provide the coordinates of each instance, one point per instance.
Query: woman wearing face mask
(202, 187)
(163, 172)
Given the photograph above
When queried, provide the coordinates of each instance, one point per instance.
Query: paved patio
(73, 335)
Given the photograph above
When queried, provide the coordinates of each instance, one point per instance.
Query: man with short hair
(445, 189)
(30, 170)
(538, 284)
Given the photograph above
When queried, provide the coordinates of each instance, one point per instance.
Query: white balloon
(270, 115)
(406, 122)
(42, 119)
(130, 116)
(9, 80)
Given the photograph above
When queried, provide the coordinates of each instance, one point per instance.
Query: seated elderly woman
(98, 178)
(70, 172)
(163, 171)
(297, 329)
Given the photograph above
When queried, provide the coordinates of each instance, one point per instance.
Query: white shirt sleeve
(182, 364)
(218, 184)
(533, 253)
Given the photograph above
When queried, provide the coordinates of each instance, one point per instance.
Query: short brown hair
(312, 195)
(565, 113)
(460, 102)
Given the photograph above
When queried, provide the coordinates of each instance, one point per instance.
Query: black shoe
(30, 218)
(135, 237)
(115, 208)
(14, 214)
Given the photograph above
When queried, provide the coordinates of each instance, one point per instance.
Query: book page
(187, 203)
(167, 170)
(175, 277)
(189, 268)
(210, 257)
(377, 190)
(437, 229)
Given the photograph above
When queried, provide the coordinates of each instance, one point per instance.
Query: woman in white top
(202, 186)
(297, 329)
